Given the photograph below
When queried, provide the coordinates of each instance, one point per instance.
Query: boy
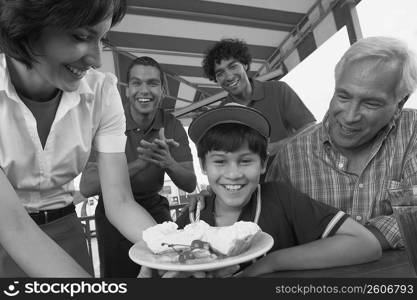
(232, 147)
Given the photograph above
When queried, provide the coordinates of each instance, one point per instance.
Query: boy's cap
(231, 113)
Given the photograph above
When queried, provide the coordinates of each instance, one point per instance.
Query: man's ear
(400, 106)
(246, 67)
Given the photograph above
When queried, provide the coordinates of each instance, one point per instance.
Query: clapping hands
(158, 151)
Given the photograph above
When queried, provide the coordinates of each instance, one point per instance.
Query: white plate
(141, 255)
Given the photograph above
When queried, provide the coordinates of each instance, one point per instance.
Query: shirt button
(358, 218)
(341, 166)
(360, 185)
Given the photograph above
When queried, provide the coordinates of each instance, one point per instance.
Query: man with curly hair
(227, 62)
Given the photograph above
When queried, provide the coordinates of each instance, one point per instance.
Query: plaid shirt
(313, 166)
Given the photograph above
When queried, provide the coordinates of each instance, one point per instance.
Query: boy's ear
(127, 91)
(202, 166)
(263, 170)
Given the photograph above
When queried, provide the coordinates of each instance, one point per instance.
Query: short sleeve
(183, 152)
(110, 136)
(309, 219)
(294, 112)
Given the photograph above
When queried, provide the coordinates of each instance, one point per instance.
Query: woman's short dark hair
(146, 61)
(22, 21)
(225, 49)
(231, 137)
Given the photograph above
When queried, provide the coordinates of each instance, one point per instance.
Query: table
(392, 264)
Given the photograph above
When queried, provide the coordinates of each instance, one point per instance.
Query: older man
(366, 143)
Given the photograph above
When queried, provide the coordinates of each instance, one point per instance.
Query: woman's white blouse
(90, 117)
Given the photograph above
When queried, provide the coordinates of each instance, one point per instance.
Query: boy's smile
(233, 187)
(233, 176)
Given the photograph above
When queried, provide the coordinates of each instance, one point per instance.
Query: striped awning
(280, 34)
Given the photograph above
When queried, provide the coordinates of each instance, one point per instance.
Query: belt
(46, 216)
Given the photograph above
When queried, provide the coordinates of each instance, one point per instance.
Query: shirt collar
(258, 91)
(324, 132)
(249, 210)
(5, 83)
(247, 214)
(157, 123)
(84, 88)
(4, 74)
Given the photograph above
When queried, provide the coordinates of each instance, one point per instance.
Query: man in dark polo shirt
(228, 62)
(156, 144)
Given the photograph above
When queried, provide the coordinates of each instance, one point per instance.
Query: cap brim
(228, 114)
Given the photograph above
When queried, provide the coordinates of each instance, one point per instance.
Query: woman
(54, 108)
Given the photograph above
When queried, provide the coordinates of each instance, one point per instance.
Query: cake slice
(224, 241)
(231, 240)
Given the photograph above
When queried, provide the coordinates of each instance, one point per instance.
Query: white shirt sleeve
(110, 136)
